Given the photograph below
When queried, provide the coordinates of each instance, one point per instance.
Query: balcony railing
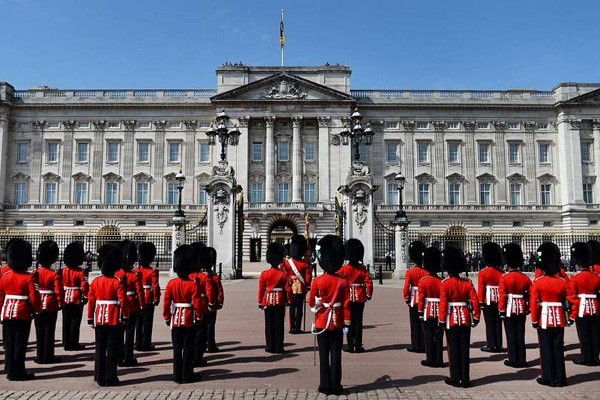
(105, 207)
(472, 95)
(117, 94)
(474, 208)
(284, 206)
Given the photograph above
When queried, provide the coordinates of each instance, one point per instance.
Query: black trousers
(330, 359)
(552, 354)
(129, 339)
(493, 326)
(355, 331)
(211, 321)
(15, 334)
(297, 312)
(515, 338)
(183, 354)
(107, 349)
(417, 339)
(45, 328)
(72, 314)
(434, 341)
(588, 330)
(274, 326)
(459, 339)
(200, 339)
(143, 328)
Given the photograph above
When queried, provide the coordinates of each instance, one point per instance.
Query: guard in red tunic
(459, 311)
(135, 300)
(548, 302)
(75, 288)
(19, 302)
(488, 293)
(329, 299)
(182, 310)
(49, 288)
(107, 310)
(411, 295)
(429, 307)
(211, 317)
(595, 246)
(583, 290)
(274, 293)
(300, 278)
(150, 298)
(561, 268)
(513, 305)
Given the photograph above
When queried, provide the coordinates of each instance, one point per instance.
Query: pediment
(111, 176)
(81, 176)
(20, 177)
(50, 177)
(456, 177)
(516, 177)
(142, 177)
(590, 98)
(282, 87)
(547, 178)
(425, 177)
(485, 177)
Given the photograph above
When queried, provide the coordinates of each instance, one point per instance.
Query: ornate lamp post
(401, 223)
(180, 178)
(356, 134)
(226, 136)
(178, 236)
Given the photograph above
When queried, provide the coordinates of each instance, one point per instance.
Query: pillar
(270, 160)
(324, 161)
(296, 160)
(401, 240)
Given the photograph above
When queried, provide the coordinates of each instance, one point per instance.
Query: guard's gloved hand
(168, 322)
(90, 322)
(474, 322)
(570, 321)
(535, 325)
(260, 307)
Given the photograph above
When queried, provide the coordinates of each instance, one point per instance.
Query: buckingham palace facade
(475, 161)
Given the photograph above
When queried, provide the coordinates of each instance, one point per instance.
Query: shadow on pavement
(248, 360)
(375, 326)
(146, 378)
(55, 367)
(218, 374)
(243, 348)
(384, 382)
(520, 375)
(68, 374)
(220, 344)
(580, 378)
(491, 357)
(387, 347)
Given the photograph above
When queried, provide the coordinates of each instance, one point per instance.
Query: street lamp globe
(400, 179)
(180, 178)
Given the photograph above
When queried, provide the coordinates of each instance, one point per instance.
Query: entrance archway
(455, 236)
(108, 234)
(282, 230)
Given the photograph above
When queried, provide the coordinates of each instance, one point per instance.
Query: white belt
(582, 302)
(131, 293)
(182, 305)
(71, 288)
(587, 296)
(488, 293)
(427, 301)
(107, 302)
(16, 297)
(337, 304)
(545, 306)
(509, 303)
(414, 290)
(45, 291)
(277, 289)
(457, 304)
(329, 316)
(147, 286)
(357, 284)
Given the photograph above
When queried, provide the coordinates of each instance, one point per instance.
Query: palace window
(545, 194)
(588, 193)
(257, 151)
(544, 153)
(515, 194)
(485, 193)
(422, 152)
(283, 193)
(453, 148)
(112, 192)
(174, 152)
(392, 193)
(204, 152)
(484, 153)
(81, 196)
(256, 192)
(82, 152)
(424, 193)
(392, 152)
(309, 151)
(21, 193)
(283, 151)
(143, 152)
(172, 193)
(514, 153)
(50, 192)
(454, 193)
(52, 152)
(310, 192)
(586, 152)
(142, 192)
(202, 195)
(22, 152)
(113, 152)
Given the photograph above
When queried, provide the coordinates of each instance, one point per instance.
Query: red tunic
(582, 292)
(4, 269)
(150, 287)
(182, 305)
(18, 297)
(218, 287)
(50, 289)
(207, 292)
(596, 268)
(488, 285)
(329, 299)
(361, 284)
(75, 285)
(411, 284)
(135, 294)
(548, 295)
(455, 295)
(561, 273)
(429, 297)
(303, 270)
(107, 300)
(514, 293)
(274, 288)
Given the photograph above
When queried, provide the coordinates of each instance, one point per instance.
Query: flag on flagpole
(281, 35)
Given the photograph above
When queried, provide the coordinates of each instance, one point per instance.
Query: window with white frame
(52, 125)
(512, 125)
(114, 124)
(142, 193)
(422, 125)
(113, 152)
(174, 152)
(82, 152)
(453, 152)
(204, 152)
(310, 195)
(484, 153)
(143, 125)
(22, 152)
(202, 195)
(391, 152)
(84, 125)
(545, 194)
(50, 192)
(422, 152)
(588, 193)
(485, 193)
(515, 194)
(172, 193)
(112, 192)
(256, 192)
(143, 152)
(309, 151)
(453, 193)
(20, 193)
(514, 153)
(52, 152)
(542, 126)
(586, 152)
(81, 196)
(424, 193)
(452, 125)
(283, 192)
(392, 193)
(483, 125)
(257, 151)
(363, 152)
(544, 153)
(283, 151)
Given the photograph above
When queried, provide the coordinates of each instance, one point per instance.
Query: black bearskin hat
(199, 249)
(74, 255)
(213, 257)
(548, 258)
(298, 246)
(512, 255)
(354, 251)
(47, 253)
(287, 250)
(204, 257)
(432, 260)
(129, 254)
(581, 254)
(595, 246)
(330, 252)
(275, 254)
(184, 260)
(146, 253)
(453, 260)
(492, 254)
(19, 255)
(109, 259)
(415, 251)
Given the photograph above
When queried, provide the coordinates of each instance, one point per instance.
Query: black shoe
(450, 382)
(545, 383)
(562, 383)
(580, 361)
(413, 350)
(437, 365)
(509, 363)
(130, 363)
(487, 349)
(337, 391)
(348, 349)
(212, 350)
(360, 349)
(465, 385)
(27, 376)
(77, 347)
(325, 391)
(114, 382)
(39, 361)
(192, 379)
(426, 363)
(499, 350)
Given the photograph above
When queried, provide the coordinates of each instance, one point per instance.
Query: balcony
(102, 207)
(281, 207)
(456, 96)
(470, 208)
(43, 96)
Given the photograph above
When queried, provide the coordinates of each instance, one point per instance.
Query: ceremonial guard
(595, 246)
(20, 302)
(561, 270)
(548, 302)
(459, 311)
(361, 291)
(107, 310)
(488, 293)
(583, 289)
(211, 317)
(329, 299)
(411, 295)
(208, 295)
(49, 288)
(513, 304)
(134, 300)
(429, 307)
(274, 293)
(75, 287)
(182, 311)
(150, 298)
(300, 278)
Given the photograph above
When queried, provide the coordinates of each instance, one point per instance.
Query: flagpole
(281, 36)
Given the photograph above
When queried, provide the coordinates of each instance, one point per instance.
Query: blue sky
(392, 44)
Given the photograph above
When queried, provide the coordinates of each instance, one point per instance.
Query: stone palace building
(512, 162)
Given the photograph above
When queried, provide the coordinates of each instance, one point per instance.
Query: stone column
(438, 161)
(35, 151)
(188, 163)
(270, 160)
(177, 238)
(407, 161)
(401, 240)
(530, 164)
(296, 160)
(596, 135)
(323, 159)
(96, 160)
(243, 150)
(500, 162)
(471, 187)
(128, 158)
(66, 192)
(569, 158)
(158, 162)
(4, 143)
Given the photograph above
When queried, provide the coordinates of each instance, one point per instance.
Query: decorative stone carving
(360, 203)
(296, 121)
(191, 125)
(129, 125)
(335, 140)
(223, 169)
(285, 91)
(359, 169)
(596, 123)
(69, 125)
(575, 123)
(39, 125)
(409, 125)
(529, 125)
(221, 202)
(243, 121)
(469, 125)
(324, 121)
(270, 121)
(499, 125)
(99, 125)
(160, 125)
(439, 125)
(345, 121)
